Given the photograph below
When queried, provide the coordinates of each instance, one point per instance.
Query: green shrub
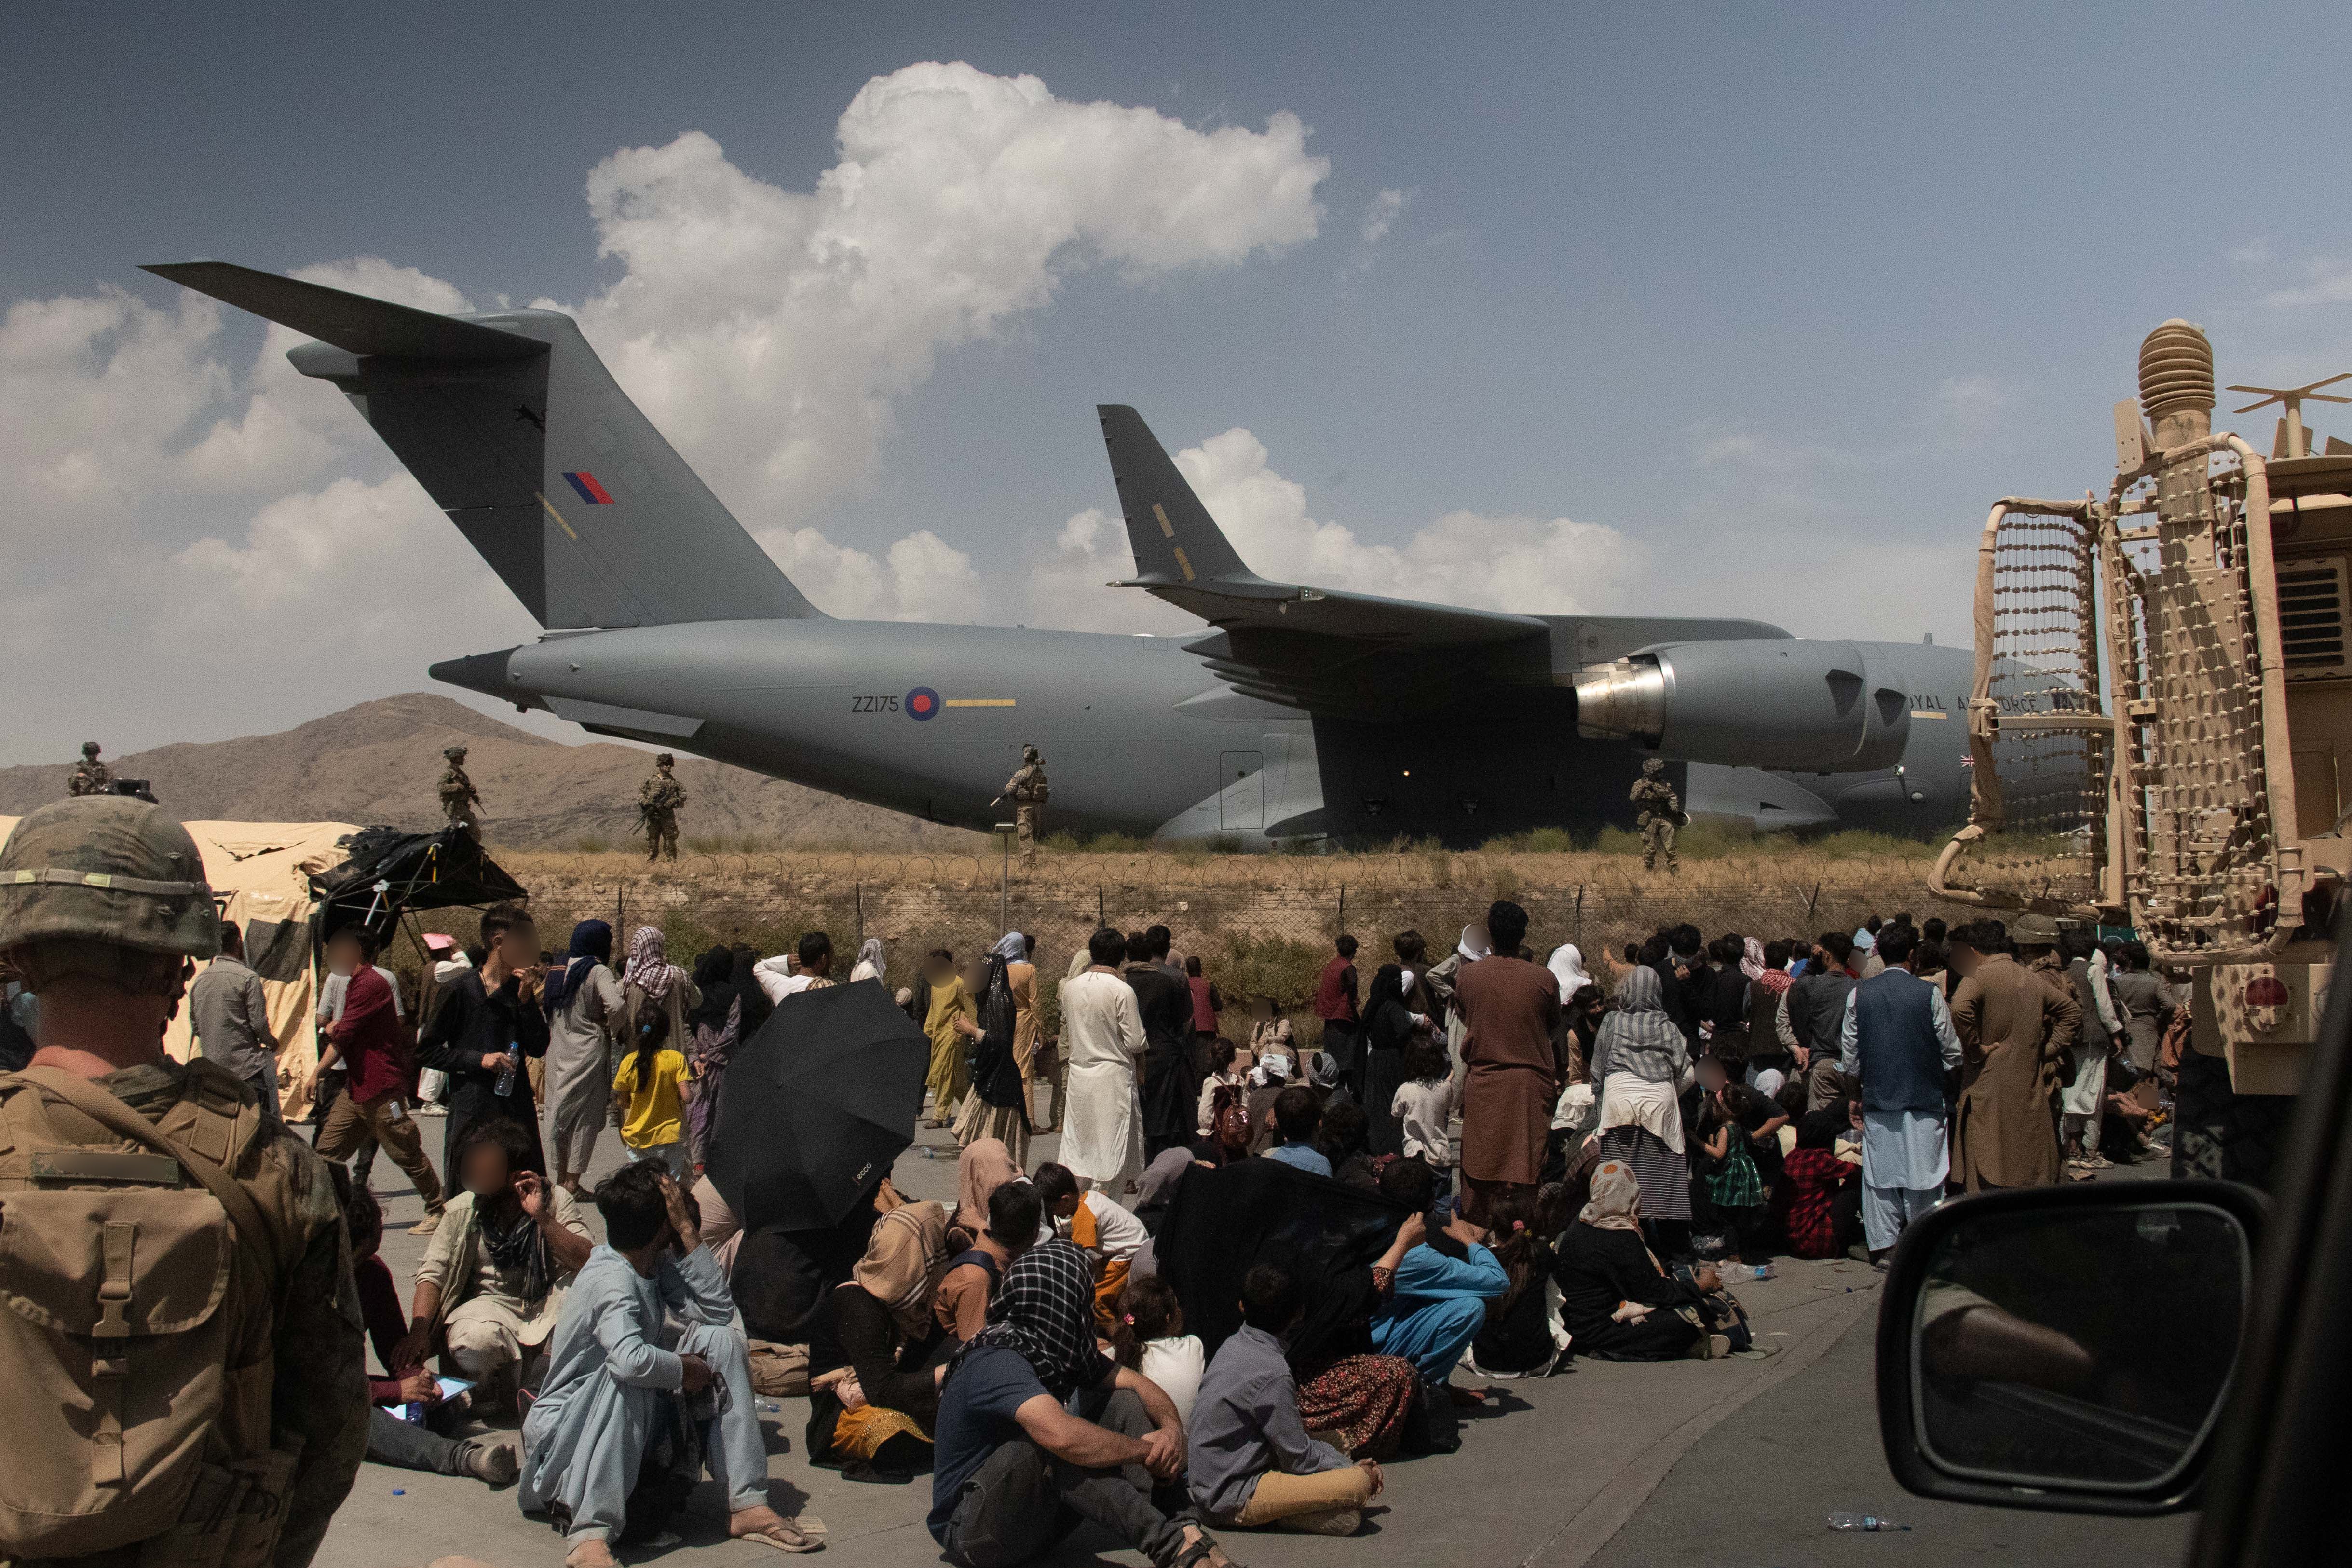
(1277, 966)
(590, 844)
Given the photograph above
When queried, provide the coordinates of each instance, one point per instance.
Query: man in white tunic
(1102, 1041)
(613, 1362)
(1898, 1042)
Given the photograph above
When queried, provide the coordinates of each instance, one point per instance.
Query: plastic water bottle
(505, 1085)
(1763, 1271)
(1862, 1521)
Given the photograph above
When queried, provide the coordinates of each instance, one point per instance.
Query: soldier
(90, 776)
(234, 1431)
(1027, 791)
(659, 799)
(459, 801)
(1662, 813)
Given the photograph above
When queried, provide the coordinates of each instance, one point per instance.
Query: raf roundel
(923, 703)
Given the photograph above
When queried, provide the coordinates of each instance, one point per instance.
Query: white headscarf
(1751, 960)
(1011, 947)
(1474, 944)
(1567, 963)
(1272, 1067)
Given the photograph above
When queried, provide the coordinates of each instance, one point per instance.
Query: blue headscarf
(591, 944)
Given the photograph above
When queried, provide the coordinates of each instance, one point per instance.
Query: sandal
(804, 1533)
(1202, 1552)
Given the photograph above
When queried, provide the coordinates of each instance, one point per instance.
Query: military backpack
(138, 1288)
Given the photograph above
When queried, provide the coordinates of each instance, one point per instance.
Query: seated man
(1297, 1114)
(411, 1446)
(587, 1431)
(1252, 1462)
(1015, 1470)
(494, 1275)
(1109, 1235)
(1439, 1299)
(974, 1274)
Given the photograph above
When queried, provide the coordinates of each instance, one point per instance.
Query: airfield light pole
(1004, 831)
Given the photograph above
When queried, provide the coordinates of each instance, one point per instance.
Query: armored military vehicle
(2160, 726)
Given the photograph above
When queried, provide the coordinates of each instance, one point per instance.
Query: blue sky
(1768, 304)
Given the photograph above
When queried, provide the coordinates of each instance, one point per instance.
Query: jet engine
(1786, 702)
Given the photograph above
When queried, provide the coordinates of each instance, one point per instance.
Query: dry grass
(1710, 863)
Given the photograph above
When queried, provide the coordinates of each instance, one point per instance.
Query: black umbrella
(815, 1107)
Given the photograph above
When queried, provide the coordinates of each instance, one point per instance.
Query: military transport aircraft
(1301, 712)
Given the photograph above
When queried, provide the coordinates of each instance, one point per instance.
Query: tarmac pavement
(1733, 1462)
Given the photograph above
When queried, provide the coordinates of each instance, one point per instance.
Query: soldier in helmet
(459, 802)
(229, 1438)
(90, 776)
(1027, 791)
(658, 801)
(1662, 813)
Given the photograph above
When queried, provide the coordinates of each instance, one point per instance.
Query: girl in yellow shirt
(652, 1086)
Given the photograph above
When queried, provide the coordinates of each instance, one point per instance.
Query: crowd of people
(1252, 1274)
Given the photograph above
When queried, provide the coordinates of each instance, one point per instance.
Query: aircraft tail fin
(1175, 540)
(517, 430)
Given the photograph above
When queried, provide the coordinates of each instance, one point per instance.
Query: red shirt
(370, 1036)
(1204, 1013)
(1813, 1177)
(1335, 993)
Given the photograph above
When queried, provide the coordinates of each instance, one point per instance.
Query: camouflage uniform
(1662, 813)
(90, 776)
(119, 883)
(1027, 791)
(659, 799)
(459, 801)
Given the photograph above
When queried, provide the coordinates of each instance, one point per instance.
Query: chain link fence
(1260, 925)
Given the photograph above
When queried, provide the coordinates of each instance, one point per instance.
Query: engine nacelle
(1781, 702)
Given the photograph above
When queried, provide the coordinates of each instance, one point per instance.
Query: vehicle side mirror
(2066, 1348)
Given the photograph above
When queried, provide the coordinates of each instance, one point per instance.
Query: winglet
(353, 322)
(1175, 540)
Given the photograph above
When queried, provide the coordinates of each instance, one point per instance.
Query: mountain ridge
(378, 761)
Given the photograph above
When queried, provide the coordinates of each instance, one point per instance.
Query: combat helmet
(664, 760)
(454, 754)
(89, 748)
(107, 869)
(1031, 754)
(1652, 766)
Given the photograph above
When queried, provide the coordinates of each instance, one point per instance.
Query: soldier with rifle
(1662, 813)
(1027, 791)
(459, 801)
(659, 799)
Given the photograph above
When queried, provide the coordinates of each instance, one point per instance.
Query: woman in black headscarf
(995, 1107)
(714, 1029)
(756, 1006)
(1389, 1028)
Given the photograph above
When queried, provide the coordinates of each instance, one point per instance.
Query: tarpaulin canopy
(386, 872)
(260, 872)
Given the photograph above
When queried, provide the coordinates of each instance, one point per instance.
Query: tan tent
(260, 871)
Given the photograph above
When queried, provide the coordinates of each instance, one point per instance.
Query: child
(1424, 1106)
(1106, 1233)
(1251, 1461)
(1222, 1075)
(1149, 1337)
(1732, 1182)
(654, 1078)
